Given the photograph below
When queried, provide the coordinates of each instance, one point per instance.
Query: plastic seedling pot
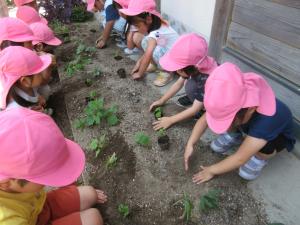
(164, 142)
(122, 73)
(118, 57)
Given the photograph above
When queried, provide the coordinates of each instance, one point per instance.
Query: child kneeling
(42, 156)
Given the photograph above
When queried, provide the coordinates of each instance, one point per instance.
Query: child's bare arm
(249, 147)
(105, 35)
(166, 122)
(169, 94)
(197, 132)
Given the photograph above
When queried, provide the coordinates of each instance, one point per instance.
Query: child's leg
(137, 39)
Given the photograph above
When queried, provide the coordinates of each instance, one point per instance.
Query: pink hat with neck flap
(16, 62)
(33, 148)
(29, 15)
(13, 29)
(22, 2)
(189, 50)
(44, 34)
(137, 7)
(90, 5)
(227, 90)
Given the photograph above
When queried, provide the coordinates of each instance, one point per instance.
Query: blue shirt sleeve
(111, 13)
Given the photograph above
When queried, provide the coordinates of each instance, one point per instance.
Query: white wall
(194, 15)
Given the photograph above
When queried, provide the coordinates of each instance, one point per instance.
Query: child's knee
(91, 216)
(88, 197)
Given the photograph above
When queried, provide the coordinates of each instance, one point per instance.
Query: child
(112, 21)
(34, 153)
(14, 32)
(20, 76)
(29, 15)
(31, 3)
(133, 37)
(188, 58)
(242, 101)
(159, 40)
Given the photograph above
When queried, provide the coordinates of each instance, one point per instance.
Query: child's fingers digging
(101, 197)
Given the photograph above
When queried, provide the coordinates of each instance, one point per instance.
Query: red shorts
(62, 207)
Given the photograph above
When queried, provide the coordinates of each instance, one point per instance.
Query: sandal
(163, 78)
(151, 68)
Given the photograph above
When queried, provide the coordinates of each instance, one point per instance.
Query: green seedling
(88, 82)
(142, 139)
(187, 207)
(158, 113)
(98, 144)
(82, 49)
(93, 94)
(78, 64)
(59, 28)
(123, 210)
(161, 132)
(79, 124)
(111, 161)
(97, 72)
(79, 14)
(209, 201)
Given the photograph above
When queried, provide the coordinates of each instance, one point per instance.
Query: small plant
(82, 49)
(78, 64)
(97, 72)
(187, 207)
(88, 82)
(111, 161)
(275, 224)
(98, 144)
(142, 139)
(161, 132)
(158, 113)
(93, 94)
(123, 210)
(209, 200)
(79, 123)
(59, 28)
(79, 14)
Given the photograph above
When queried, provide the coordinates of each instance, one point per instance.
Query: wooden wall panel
(289, 3)
(274, 20)
(282, 59)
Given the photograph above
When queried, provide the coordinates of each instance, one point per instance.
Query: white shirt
(165, 36)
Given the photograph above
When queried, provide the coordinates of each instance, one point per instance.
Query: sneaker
(128, 51)
(162, 79)
(184, 101)
(121, 44)
(226, 141)
(252, 169)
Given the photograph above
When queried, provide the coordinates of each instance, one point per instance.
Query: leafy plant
(88, 82)
(81, 49)
(97, 72)
(79, 14)
(161, 132)
(95, 112)
(209, 201)
(123, 210)
(93, 94)
(187, 207)
(158, 113)
(98, 144)
(59, 28)
(78, 64)
(79, 123)
(111, 161)
(142, 139)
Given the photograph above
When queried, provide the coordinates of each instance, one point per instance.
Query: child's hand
(102, 198)
(156, 104)
(164, 122)
(99, 39)
(204, 175)
(187, 154)
(136, 76)
(101, 44)
(136, 67)
(42, 101)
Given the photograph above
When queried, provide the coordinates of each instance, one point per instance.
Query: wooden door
(262, 36)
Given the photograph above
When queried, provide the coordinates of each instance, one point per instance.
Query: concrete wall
(190, 16)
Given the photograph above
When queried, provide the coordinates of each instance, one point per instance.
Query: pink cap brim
(54, 42)
(90, 7)
(44, 21)
(168, 64)
(68, 172)
(23, 38)
(130, 12)
(219, 126)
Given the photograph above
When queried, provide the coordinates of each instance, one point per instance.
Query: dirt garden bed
(148, 180)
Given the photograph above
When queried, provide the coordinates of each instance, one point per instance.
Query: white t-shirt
(165, 36)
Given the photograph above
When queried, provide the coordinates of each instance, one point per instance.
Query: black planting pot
(122, 73)
(164, 142)
(118, 57)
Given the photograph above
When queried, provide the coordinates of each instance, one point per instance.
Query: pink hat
(123, 3)
(16, 30)
(22, 2)
(41, 154)
(15, 62)
(29, 15)
(137, 7)
(227, 90)
(90, 5)
(44, 34)
(188, 50)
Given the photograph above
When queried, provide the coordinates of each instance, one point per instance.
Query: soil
(118, 57)
(122, 73)
(164, 142)
(148, 180)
